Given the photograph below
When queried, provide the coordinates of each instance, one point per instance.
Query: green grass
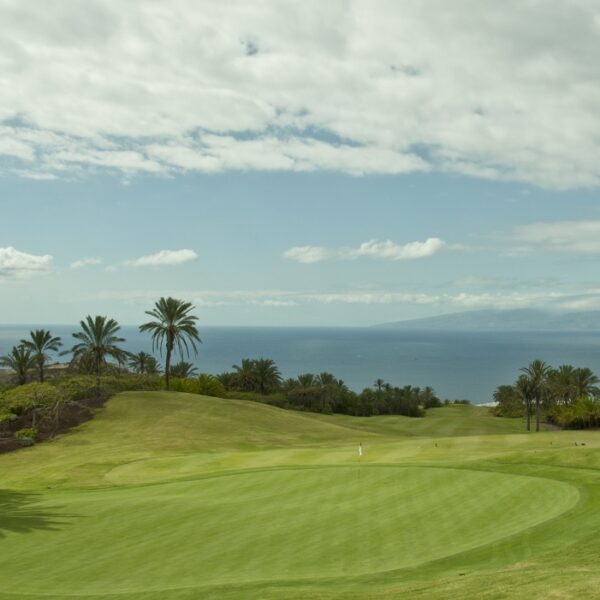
(178, 497)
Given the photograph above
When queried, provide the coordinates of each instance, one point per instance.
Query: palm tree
(227, 379)
(183, 370)
(585, 383)
(537, 373)
(245, 375)
(561, 384)
(378, 385)
(267, 376)
(152, 366)
(40, 344)
(326, 379)
(98, 340)
(173, 326)
(140, 362)
(20, 360)
(525, 390)
(306, 380)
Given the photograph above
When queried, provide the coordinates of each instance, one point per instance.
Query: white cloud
(308, 254)
(582, 237)
(387, 250)
(292, 299)
(20, 265)
(363, 88)
(85, 262)
(164, 258)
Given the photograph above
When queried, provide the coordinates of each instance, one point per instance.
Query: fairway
(277, 519)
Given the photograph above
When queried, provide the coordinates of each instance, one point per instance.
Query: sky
(284, 163)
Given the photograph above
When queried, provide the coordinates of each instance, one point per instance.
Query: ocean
(458, 365)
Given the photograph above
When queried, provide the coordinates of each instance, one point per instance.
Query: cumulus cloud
(15, 264)
(582, 237)
(308, 254)
(164, 258)
(351, 86)
(386, 250)
(85, 262)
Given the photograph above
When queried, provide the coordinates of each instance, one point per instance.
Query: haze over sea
(465, 365)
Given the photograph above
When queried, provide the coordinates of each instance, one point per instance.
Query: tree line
(324, 392)
(567, 396)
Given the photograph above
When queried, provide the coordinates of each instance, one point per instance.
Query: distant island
(496, 320)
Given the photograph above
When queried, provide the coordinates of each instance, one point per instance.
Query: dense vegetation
(568, 396)
(323, 392)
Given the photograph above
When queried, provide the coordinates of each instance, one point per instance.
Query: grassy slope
(177, 497)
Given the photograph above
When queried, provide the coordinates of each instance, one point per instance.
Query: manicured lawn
(178, 497)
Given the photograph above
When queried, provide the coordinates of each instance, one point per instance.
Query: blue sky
(240, 226)
(297, 164)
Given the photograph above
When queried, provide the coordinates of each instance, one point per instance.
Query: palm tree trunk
(98, 377)
(41, 369)
(168, 366)
(537, 414)
(528, 410)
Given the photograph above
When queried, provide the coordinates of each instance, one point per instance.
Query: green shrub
(29, 433)
(83, 387)
(6, 417)
(582, 414)
(204, 384)
(30, 396)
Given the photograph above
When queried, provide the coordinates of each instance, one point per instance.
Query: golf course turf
(175, 496)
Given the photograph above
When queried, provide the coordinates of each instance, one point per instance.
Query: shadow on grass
(18, 514)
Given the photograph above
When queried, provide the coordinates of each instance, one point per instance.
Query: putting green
(262, 525)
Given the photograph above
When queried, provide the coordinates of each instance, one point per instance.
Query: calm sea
(456, 364)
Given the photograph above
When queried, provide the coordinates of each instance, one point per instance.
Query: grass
(179, 497)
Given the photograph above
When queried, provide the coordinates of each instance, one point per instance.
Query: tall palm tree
(20, 360)
(98, 340)
(537, 373)
(173, 326)
(140, 362)
(41, 343)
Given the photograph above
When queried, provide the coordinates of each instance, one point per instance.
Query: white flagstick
(360, 451)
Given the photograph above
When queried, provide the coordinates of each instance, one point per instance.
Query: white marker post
(360, 453)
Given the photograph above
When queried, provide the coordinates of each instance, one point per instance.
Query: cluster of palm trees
(539, 386)
(31, 353)
(324, 392)
(253, 375)
(173, 328)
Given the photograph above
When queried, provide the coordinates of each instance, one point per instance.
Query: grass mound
(282, 524)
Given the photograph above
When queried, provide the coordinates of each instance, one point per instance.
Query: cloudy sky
(318, 163)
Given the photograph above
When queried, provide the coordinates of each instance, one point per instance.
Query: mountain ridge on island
(522, 319)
